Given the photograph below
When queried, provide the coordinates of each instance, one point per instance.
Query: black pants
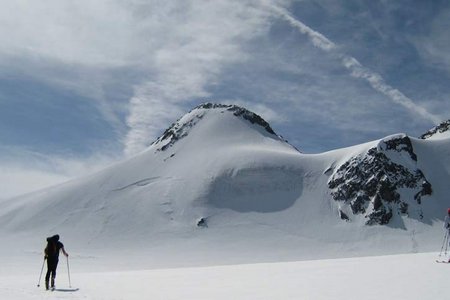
(52, 264)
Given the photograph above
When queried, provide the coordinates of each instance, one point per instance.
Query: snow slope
(220, 187)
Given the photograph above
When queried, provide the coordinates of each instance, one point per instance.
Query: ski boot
(53, 283)
(46, 285)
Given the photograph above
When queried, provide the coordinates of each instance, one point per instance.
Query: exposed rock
(202, 222)
(401, 144)
(380, 216)
(240, 111)
(443, 127)
(343, 216)
(252, 117)
(176, 131)
(370, 183)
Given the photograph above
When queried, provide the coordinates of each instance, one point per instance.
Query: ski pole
(444, 245)
(68, 271)
(444, 242)
(40, 275)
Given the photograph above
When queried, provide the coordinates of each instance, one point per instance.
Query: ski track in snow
(142, 182)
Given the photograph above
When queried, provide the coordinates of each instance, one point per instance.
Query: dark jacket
(53, 247)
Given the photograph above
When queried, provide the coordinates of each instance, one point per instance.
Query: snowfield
(406, 276)
(220, 207)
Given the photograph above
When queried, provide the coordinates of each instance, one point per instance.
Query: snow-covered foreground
(406, 276)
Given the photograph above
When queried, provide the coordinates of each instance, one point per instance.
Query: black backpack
(51, 248)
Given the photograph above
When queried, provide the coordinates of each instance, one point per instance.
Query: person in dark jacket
(447, 220)
(52, 256)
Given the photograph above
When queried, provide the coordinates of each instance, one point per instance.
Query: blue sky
(86, 83)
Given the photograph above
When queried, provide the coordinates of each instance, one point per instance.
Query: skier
(447, 228)
(52, 256)
(447, 221)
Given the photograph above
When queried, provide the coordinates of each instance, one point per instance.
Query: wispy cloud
(378, 83)
(148, 114)
(100, 33)
(318, 39)
(357, 69)
(168, 50)
(435, 46)
(203, 38)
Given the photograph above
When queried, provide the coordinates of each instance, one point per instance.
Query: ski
(68, 290)
(443, 261)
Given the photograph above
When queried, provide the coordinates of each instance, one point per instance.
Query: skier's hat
(448, 211)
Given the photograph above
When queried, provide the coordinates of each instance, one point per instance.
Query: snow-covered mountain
(220, 180)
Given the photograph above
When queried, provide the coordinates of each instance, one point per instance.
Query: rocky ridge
(182, 126)
(441, 128)
(380, 183)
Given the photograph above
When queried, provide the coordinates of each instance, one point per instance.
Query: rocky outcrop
(176, 131)
(380, 182)
(240, 112)
(441, 128)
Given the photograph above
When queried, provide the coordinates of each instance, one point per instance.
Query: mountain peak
(183, 126)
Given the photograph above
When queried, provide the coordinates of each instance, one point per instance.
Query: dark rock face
(252, 117)
(401, 144)
(343, 216)
(202, 222)
(370, 183)
(241, 112)
(443, 127)
(179, 130)
(176, 132)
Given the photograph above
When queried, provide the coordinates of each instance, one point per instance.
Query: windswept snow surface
(220, 188)
(410, 276)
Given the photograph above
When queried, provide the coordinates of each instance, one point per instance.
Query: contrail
(356, 69)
